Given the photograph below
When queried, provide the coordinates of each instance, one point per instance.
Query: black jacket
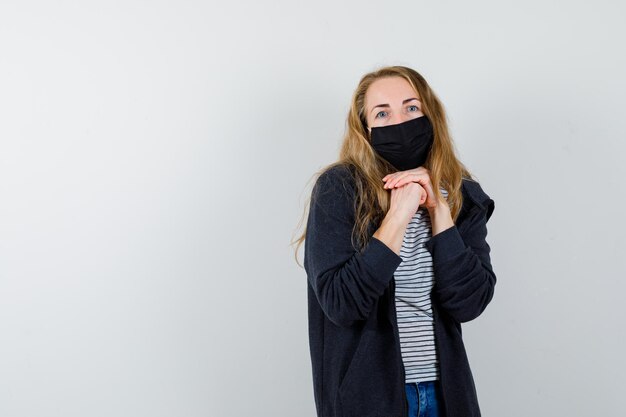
(353, 334)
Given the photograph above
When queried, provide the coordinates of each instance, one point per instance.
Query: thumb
(423, 195)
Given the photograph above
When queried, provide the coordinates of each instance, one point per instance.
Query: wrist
(441, 219)
(439, 209)
(395, 220)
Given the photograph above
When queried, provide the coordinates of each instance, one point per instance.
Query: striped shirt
(414, 280)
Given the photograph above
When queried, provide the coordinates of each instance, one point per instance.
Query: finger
(427, 186)
(391, 180)
(398, 178)
(387, 179)
(430, 194)
(423, 198)
(404, 181)
(420, 178)
(412, 177)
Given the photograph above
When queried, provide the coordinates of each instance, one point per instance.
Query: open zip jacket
(353, 334)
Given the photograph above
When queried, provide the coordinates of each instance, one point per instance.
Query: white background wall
(155, 158)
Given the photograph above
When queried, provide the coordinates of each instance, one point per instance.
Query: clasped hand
(419, 175)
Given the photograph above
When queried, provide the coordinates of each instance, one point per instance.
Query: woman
(396, 258)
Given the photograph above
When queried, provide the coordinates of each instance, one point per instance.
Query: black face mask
(405, 145)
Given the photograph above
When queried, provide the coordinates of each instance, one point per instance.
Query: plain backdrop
(156, 158)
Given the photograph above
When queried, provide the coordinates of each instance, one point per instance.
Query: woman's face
(391, 100)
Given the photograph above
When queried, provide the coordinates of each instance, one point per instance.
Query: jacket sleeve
(346, 282)
(464, 278)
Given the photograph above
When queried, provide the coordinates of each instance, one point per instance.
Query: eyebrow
(387, 105)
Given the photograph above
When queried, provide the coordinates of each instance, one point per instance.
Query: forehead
(391, 90)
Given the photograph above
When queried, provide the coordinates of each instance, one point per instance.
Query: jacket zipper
(397, 333)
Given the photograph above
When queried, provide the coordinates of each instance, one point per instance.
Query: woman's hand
(403, 205)
(405, 201)
(418, 175)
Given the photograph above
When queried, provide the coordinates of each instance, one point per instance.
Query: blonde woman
(396, 259)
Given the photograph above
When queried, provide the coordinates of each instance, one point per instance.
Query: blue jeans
(424, 398)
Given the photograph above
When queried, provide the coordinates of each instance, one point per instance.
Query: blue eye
(416, 108)
(380, 113)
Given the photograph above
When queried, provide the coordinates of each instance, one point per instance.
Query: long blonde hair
(371, 199)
